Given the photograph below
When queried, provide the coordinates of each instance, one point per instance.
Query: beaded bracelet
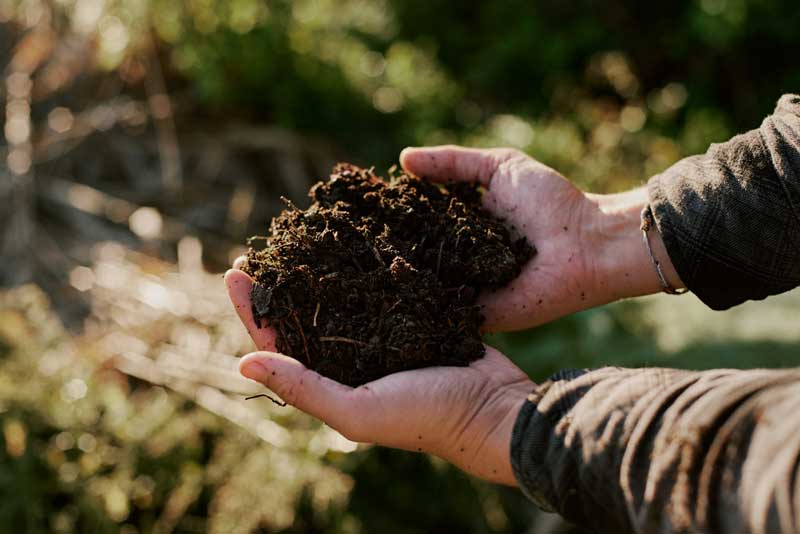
(647, 223)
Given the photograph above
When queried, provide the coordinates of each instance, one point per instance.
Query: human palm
(544, 207)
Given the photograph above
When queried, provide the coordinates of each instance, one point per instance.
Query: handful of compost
(378, 277)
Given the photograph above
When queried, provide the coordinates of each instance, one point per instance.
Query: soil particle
(377, 277)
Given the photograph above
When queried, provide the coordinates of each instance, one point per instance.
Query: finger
(321, 397)
(239, 286)
(450, 162)
(239, 262)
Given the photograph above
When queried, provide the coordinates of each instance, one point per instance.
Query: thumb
(333, 403)
(451, 162)
(239, 286)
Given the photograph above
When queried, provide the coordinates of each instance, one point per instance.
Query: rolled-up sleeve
(664, 450)
(730, 218)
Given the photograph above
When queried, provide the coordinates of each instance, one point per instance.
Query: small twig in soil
(276, 401)
(289, 203)
(393, 306)
(343, 340)
(253, 238)
(439, 259)
(377, 255)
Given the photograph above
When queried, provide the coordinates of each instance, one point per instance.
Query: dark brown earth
(377, 277)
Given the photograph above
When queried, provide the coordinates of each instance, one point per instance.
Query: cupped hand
(464, 415)
(554, 215)
(590, 249)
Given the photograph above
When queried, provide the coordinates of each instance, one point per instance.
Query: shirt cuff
(533, 449)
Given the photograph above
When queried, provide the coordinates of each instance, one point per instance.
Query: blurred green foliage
(607, 92)
(84, 448)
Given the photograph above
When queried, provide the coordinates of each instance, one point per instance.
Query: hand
(462, 414)
(590, 252)
(590, 249)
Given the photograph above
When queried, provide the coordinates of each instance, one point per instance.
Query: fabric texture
(730, 218)
(665, 450)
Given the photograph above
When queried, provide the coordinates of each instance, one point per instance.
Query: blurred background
(144, 140)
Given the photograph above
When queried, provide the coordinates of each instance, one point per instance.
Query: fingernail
(254, 370)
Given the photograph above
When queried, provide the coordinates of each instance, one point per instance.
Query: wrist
(490, 459)
(623, 266)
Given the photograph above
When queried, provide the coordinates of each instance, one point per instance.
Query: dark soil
(378, 277)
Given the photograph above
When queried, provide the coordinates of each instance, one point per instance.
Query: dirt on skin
(377, 277)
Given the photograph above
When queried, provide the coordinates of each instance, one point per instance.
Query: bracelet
(648, 222)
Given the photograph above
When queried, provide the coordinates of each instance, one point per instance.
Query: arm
(662, 450)
(730, 218)
(711, 452)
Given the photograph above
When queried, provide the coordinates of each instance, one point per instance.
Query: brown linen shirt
(665, 450)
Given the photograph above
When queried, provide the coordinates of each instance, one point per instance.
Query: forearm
(661, 450)
(727, 222)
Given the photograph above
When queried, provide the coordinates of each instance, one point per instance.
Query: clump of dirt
(377, 277)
